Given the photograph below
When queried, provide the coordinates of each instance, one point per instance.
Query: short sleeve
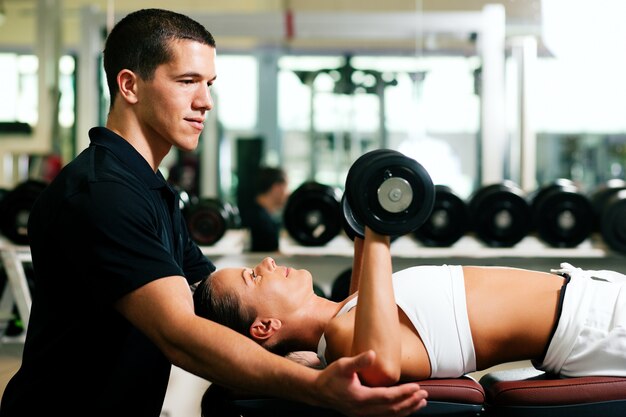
(124, 241)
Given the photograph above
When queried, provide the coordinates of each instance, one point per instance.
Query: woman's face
(273, 290)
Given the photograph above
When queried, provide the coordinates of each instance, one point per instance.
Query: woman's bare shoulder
(339, 333)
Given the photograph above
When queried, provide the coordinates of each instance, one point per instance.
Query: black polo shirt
(105, 226)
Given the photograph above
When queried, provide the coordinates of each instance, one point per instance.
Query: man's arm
(377, 326)
(163, 310)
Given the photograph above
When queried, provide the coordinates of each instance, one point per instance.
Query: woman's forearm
(377, 326)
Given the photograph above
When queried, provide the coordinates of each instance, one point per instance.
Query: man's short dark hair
(141, 41)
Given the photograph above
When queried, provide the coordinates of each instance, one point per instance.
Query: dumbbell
(207, 220)
(341, 286)
(562, 214)
(609, 205)
(447, 223)
(312, 214)
(319, 291)
(500, 214)
(15, 210)
(387, 191)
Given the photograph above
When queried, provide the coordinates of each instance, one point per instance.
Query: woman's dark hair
(141, 41)
(225, 309)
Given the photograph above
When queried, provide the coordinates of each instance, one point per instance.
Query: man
(113, 262)
(261, 217)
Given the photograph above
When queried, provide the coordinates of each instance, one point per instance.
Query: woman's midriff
(511, 312)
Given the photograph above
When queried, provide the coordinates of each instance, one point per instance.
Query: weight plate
(341, 286)
(562, 215)
(389, 192)
(351, 225)
(207, 221)
(600, 195)
(500, 215)
(312, 215)
(15, 209)
(613, 221)
(447, 223)
(358, 168)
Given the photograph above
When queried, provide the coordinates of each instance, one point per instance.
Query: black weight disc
(601, 194)
(351, 225)
(448, 221)
(360, 165)
(207, 221)
(613, 221)
(353, 178)
(562, 214)
(391, 193)
(15, 209)
(318, 290)
(312, 215)
(500, 214)
(341, 286)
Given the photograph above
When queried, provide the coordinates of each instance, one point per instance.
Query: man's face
(172, 106)
(280, 194)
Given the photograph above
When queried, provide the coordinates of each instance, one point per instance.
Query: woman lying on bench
(429, 321)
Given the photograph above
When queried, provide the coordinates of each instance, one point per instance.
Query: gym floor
(10, 354)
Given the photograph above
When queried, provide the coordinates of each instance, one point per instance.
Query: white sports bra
(433, 298)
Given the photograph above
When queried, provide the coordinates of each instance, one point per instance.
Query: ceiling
(523, 17)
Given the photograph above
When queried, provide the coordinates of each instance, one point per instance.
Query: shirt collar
(101, 136)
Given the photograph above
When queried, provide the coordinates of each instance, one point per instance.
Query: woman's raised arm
(377, 326)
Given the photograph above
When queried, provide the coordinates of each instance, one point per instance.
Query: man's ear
(127, 85)
(264, 328)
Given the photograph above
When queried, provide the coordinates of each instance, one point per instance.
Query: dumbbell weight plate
(389, 192)
(352, 225)
(562, 215)
(207, 221)
(319, 291)
(360, 165)
(613, 221)
(447, 223)
(500, 214)
(341, 286)
(16, 206)
(601, 194)
(312, 215)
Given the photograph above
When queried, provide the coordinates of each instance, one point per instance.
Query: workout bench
(528, 392)
(524, 392)
(446, 397)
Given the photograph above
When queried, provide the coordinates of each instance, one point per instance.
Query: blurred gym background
(510, 97)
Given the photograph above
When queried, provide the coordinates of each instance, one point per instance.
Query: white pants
(590, 338)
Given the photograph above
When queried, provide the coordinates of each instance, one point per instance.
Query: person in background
(114, 266)
(263, 216)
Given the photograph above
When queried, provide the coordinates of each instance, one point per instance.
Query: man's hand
(340, 389)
